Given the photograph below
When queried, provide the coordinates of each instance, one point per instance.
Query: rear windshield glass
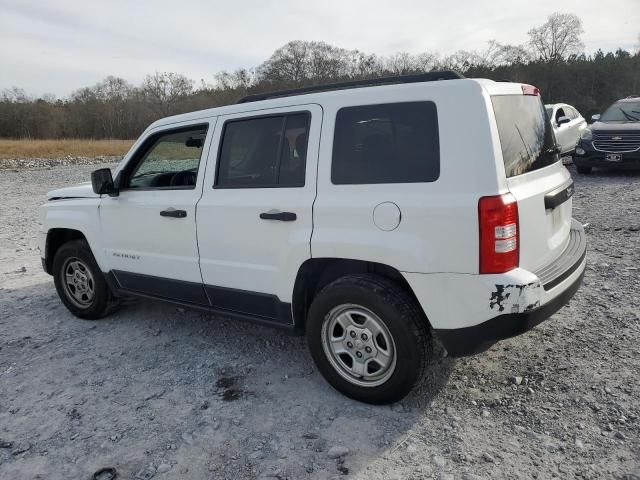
(525, 133)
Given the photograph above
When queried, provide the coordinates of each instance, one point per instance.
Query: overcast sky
(59, 46)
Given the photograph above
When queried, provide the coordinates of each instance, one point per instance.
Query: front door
(149, 229)
(255, 215)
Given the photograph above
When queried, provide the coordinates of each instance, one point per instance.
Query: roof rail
(418, 78)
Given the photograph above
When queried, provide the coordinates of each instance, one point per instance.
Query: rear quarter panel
(438, 231)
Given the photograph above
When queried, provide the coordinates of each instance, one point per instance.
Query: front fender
(74, 214)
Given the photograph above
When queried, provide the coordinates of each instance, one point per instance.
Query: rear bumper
(469, 313)
(460, 342)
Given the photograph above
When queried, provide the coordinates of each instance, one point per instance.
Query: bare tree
(287, 64)
(462, 60)
(239, 79)
(400, 63)
(557, 38)
(165, 89)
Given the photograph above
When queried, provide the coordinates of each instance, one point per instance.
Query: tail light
(530, 90)
(499, 245)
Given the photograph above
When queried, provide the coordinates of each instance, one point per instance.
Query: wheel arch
(315, 273)
(56, 237)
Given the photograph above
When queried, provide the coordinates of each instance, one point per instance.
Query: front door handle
(276, 215)
(173, 213)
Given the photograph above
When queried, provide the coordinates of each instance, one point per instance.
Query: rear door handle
(276, 215)
(173, 213)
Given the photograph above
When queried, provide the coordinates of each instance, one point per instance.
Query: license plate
(613, 157)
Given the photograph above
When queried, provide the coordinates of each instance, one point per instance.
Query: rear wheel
(584, 170)
(79, 281)
(368, 338)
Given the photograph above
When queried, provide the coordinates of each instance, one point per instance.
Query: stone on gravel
(439, 461)
(337, 452)
(487, 457)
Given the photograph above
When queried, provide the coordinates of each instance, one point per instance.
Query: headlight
(586, 135)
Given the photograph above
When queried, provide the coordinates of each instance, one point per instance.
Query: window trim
(333, 146)
(147, 143)
(285, 116)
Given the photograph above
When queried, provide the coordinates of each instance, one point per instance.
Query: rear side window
(526, 136)
(264, 152)
(389, 143)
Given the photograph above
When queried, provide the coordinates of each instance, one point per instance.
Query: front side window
(264, 152)
(169, 160)
(388, 143)
(622, 112)
(526, 136)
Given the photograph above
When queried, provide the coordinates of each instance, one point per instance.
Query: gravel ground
(156, 391)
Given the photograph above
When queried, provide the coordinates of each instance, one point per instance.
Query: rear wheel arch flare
(315, 273)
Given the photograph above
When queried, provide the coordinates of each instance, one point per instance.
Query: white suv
(368, 215)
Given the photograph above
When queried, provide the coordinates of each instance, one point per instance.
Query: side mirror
(102, 182)
(563, 120)
(595, 118)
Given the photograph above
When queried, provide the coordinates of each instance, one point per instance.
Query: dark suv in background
(613, 141)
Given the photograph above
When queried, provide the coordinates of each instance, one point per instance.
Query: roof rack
(422, 77)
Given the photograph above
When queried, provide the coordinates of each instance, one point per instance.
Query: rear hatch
(541, 185)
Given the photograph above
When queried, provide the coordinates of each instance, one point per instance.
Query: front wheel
(79, 281)
(368, 338)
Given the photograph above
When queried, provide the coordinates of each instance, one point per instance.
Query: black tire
(401, 315)
(102, 300)
(584, 170)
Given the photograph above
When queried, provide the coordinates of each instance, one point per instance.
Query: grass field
(12, 148)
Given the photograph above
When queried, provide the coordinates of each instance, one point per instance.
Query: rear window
(388, 143)
(525, 133)
(264, 152)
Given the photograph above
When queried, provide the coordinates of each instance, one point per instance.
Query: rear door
(255, 216)
(536, 178)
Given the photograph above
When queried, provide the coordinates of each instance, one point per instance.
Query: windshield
(526, 136)
(622, 112)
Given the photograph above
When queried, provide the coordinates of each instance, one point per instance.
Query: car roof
(489, 86)
(556, 105)
(629, 99)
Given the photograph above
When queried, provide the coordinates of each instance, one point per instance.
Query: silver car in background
(567, 125)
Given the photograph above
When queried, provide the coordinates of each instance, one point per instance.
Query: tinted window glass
(390, 143)
(294, 151)
(171, 160)
(264, 152)
(526, 137)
